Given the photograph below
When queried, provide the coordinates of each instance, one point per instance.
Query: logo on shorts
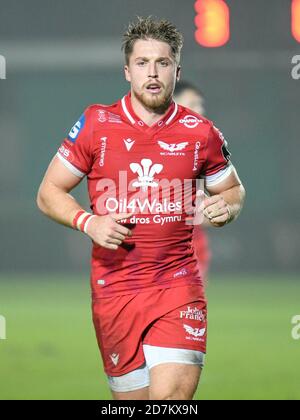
(183, 272)
(193, 313)
(101, 282)
(114, 358)
(195, 332)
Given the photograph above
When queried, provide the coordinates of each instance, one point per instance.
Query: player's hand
(217, 210)
(106, 231)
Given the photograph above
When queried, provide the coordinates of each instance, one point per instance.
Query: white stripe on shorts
(155, 355)
(137, 379)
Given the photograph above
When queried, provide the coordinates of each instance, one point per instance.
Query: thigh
(174, 349)
(174, 381)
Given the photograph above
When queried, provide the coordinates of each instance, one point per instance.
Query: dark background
(62, 56)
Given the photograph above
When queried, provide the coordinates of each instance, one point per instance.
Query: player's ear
(178, 73)
(127, 73)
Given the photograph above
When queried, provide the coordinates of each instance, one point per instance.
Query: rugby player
(142, 157)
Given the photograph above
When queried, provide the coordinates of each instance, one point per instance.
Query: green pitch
(51, 351)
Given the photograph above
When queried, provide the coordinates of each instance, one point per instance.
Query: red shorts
(175, 318)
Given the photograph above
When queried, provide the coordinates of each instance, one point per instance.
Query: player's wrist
(82, 220)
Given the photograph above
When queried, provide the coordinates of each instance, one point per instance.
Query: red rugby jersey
(151, 171)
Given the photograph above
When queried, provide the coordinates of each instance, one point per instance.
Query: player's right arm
(56, 202)
(53, 197)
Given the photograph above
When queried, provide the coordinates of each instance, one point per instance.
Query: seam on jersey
(218, 177)
(69, 166)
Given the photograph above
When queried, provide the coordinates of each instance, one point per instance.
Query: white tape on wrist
(87, 223)
(81, 219)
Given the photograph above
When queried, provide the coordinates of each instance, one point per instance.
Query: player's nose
(153, 71)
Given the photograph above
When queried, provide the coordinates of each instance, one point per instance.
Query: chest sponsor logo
(104, 116)
(146, 172)
(140, 190)
(129, 143)
(196, 156)
(173, 149)
(190, 121)
(102, 151)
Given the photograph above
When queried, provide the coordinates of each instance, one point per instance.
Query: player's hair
(149, 28)
(185, 85)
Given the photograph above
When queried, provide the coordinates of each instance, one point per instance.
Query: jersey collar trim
(164, 121)
(173, 114)
(126, 112)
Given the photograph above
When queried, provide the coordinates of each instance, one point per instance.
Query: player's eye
(164, 63)
(141, 63)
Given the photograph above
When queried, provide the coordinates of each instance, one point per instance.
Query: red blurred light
(212, 22)
(296, 19)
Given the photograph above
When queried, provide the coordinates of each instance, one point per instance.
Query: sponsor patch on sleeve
(75, 130)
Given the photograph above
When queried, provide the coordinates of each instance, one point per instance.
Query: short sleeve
(76, 150)
(217, 165)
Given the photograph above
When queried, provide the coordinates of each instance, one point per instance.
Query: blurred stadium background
(62, 56)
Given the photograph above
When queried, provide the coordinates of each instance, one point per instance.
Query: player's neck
(147, 115)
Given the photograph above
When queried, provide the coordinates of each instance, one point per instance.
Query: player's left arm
(226, 200)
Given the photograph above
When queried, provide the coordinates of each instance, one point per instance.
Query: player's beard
(158, 103)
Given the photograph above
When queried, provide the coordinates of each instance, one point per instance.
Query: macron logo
(115, 358)
(129, 143)
(146, 172)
